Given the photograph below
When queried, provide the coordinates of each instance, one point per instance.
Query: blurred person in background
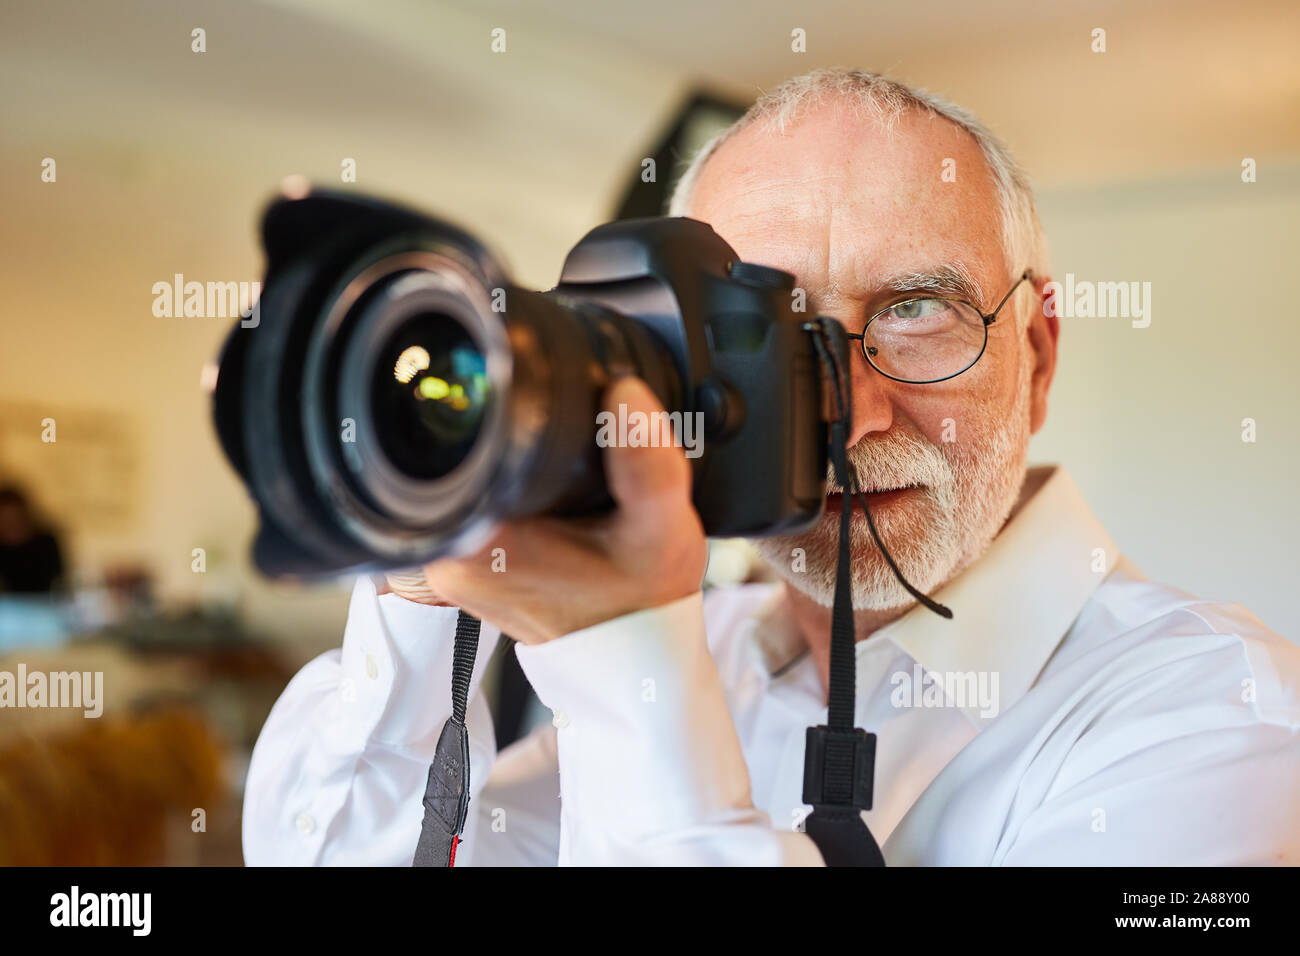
(31, 561)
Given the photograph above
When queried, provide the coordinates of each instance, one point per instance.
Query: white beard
(936, 531)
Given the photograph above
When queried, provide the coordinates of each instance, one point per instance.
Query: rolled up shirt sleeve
(651, 768)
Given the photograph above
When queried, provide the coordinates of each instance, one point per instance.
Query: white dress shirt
(1073, 712)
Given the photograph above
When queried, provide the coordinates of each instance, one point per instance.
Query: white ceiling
(534, 144)
(1182, 83)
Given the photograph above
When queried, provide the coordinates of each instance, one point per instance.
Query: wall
(1149, 420)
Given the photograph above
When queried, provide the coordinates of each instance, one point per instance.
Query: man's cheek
(949, 429)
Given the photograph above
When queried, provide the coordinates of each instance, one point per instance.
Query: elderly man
(1073, 712)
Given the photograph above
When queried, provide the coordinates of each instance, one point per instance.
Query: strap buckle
(839, 767)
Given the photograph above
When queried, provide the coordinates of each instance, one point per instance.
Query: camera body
(398, 396)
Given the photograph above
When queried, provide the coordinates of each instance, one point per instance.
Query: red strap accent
(455, 841)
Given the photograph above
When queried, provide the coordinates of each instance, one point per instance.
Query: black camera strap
(446, 792)
(839, 758)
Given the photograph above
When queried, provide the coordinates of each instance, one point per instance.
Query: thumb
(644, 460)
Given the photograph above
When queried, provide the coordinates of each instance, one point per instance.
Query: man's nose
(873, 407)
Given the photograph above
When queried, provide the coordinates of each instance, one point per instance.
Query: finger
(413, 585)
(647, 464)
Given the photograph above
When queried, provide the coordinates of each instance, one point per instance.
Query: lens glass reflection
(429, 394)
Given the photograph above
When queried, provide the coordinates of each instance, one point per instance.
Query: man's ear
(1042, 331)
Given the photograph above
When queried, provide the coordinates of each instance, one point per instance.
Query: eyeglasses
(925, 340)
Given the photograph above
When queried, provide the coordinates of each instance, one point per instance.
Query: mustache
(894, 460)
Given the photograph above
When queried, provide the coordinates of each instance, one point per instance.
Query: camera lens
(429, 394)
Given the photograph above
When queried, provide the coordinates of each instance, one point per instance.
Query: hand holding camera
(650, 550)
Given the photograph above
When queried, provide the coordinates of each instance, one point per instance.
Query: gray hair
(884, 99)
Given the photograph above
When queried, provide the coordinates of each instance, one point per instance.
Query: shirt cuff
(396, 662)
(646, 742)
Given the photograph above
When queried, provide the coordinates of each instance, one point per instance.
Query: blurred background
(163, 158)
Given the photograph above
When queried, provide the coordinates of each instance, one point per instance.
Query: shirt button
(561, 719)
(305, 824)
(372, 668)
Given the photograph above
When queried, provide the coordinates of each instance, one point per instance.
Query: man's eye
(918, 309)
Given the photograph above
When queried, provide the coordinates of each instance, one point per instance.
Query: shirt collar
(1012, 607)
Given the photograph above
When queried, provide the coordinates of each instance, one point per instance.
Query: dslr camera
(399, 396)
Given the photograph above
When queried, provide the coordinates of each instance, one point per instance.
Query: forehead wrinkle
(749, 184)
